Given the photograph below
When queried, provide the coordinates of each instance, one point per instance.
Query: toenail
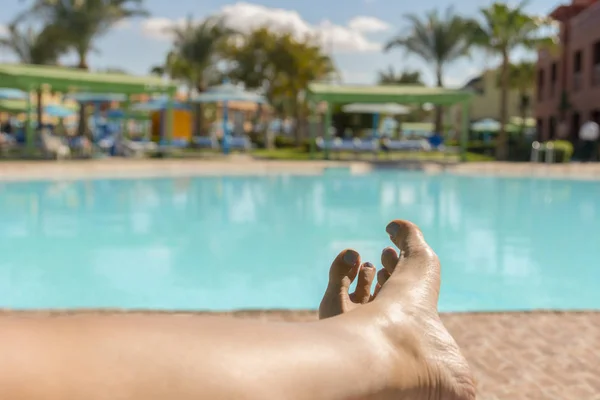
(368, 265)
(351, 257)
(392, 229)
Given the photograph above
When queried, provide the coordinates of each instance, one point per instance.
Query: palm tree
(391, 77)
(82, 23)
(193, 59)
(38, 47)
(504, 29)
(521, 78)
(438, 39)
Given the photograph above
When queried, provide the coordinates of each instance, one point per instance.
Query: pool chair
(136, 148)
(242, 143)
(81, 146)
(336, 145)
(173, 144)
(7, 142)
(54, 146)
(205, 142)
(390, 145)
(367, 146)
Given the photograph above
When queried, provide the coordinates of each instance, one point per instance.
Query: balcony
(577, 81)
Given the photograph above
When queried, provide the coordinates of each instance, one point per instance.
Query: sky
(353, 32)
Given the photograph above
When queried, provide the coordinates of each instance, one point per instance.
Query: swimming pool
(266, 242)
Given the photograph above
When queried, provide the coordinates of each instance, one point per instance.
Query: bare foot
(404, 307)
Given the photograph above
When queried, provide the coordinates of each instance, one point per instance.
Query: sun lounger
(406, 145)
(355, 146)
(239, 143)
(206, 142)
(54, 146)
(136, 148)
(7, 142)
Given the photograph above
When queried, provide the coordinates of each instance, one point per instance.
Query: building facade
(568, 78)
(486, 99)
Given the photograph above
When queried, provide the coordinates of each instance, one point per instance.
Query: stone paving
(514, 356)
(539, 355)
(246, 165)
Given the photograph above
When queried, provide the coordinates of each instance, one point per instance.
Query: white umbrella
(486, 125)
(368, 108)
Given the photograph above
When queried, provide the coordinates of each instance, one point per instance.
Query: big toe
(418, 268)
(342, 273)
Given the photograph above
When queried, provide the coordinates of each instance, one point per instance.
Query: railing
(577, 81)
(538, 148)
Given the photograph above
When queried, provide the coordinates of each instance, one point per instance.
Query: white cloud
(246, 17)
(368, 24)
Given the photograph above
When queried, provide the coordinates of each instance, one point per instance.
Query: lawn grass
(299, 155)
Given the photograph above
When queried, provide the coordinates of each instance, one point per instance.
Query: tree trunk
(501, 142)
(40, 108)
(298, 123)
(439, 110)
(82, 123)
(199, 113)
(524, 107)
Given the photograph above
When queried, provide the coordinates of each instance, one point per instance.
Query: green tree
(194, 57)
(282, 67)
(521, 77)
(391, 77)
(504, 29)
(438, 39)
(35, 46)
(82, 23)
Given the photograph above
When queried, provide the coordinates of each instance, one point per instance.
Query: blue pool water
(266, 242)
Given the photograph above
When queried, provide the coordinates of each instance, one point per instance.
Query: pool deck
(520, 355)
(243, 165)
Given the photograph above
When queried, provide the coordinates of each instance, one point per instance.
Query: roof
(26, 77)
(406, 94)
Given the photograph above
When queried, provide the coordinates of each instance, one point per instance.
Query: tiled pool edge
(131, 169)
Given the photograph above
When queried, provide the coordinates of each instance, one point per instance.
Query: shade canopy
(373, 108)
(96, 97)
(12, 94)
(227, 92)
(55, 110)
(405, 94)
(486, 125)
(27, 77)
(13, 106)
(158, 105)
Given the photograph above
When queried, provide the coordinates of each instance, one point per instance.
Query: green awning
(26, 77)
(402, 94)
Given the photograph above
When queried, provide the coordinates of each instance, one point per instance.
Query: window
(552, 128)
(540, 84)
(596, 64)
(540, 129)
(577, 70)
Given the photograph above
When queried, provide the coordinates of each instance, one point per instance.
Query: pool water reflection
(266, 242)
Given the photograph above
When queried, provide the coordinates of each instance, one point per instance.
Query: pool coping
(245, 166)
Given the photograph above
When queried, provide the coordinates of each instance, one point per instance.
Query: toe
(382, 276)
(344, 269)
(366, 275)
(341, 274)
(389, 259)
(418, 267)
(409, 238)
